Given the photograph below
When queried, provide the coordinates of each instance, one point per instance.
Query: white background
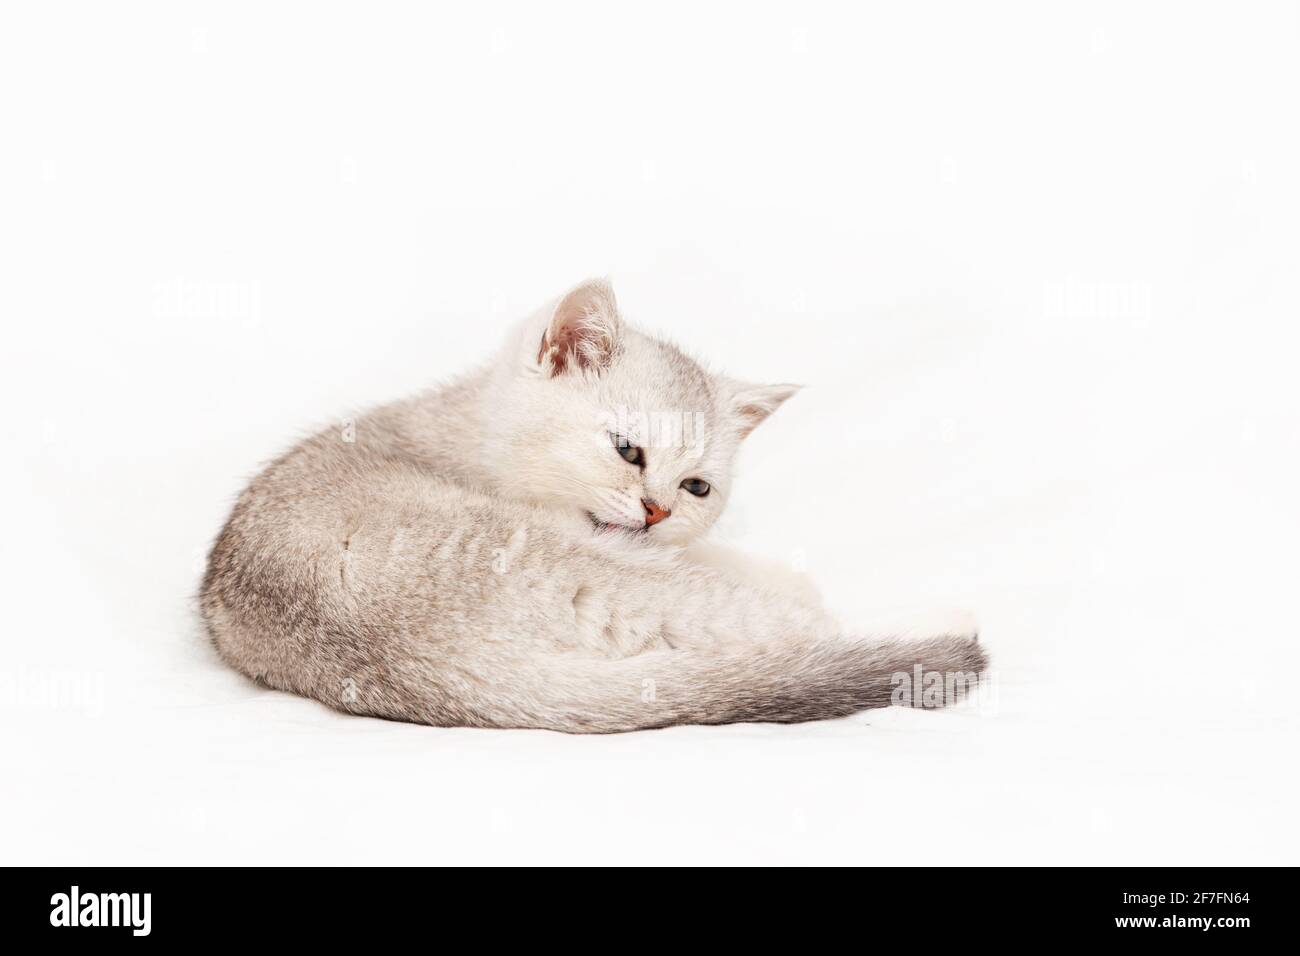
(1036, 263)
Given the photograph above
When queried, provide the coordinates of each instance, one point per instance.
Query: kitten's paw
(764, 573)
(918, 623)
(791, 584)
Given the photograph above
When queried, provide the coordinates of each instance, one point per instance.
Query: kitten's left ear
(751, 404)
(584, 330)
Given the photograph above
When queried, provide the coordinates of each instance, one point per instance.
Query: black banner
(917, 907)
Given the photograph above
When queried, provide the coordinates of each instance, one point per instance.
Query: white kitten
(522, 549)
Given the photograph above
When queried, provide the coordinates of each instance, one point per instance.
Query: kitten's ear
(583, 332)
(750, 404)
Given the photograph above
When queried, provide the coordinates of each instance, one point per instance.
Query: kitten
(522, 548)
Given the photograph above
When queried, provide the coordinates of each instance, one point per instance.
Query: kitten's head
(591, 416)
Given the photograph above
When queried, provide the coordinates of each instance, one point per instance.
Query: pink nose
(653, 513)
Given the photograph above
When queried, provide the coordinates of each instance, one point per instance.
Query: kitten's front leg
(908, 623)
(758, 572)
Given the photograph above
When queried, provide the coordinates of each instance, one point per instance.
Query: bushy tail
(787, 682)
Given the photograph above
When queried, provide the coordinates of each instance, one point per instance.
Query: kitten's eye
(696, 486)
(632, 454)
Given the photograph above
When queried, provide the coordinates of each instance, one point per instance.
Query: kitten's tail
(785, 682)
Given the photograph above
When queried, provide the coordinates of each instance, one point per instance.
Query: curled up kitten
(523, 548)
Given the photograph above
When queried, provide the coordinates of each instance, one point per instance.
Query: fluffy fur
(480, 555)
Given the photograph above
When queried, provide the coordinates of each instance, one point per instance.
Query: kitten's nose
(653, 513)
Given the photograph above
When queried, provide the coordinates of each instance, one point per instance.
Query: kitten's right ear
(751, 404)
(584, 330)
